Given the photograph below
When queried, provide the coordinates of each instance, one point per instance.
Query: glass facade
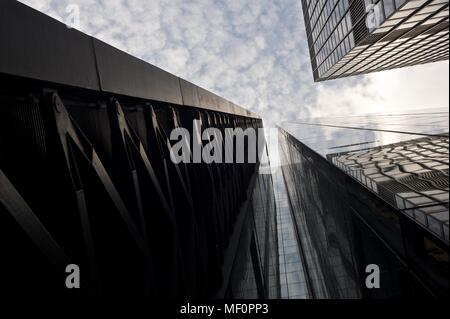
(370, 190)
(255, 273)
(341, 134)
(293, 281)
(350, 37)
(412, 176)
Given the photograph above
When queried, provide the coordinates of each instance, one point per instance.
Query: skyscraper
(87, 178)
(351, 37)
(370, 191)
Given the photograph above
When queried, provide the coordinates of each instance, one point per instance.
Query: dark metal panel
(190, 93)
(211, 101)
(207, 99)
(36, 46)
(238, 109)
(124, 74)
(199, 97)
(224, 104)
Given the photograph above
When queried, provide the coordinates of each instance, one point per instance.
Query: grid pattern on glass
(266, 237)
(324, 200)
(412, 176)
(255, 271)
(408, 32)
(319, 216)
(292, 275)
(343, 134)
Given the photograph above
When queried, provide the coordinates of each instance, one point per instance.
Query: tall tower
(351, 37)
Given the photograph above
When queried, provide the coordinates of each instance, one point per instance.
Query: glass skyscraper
(293, 278)
(369, 190)
(351, 37)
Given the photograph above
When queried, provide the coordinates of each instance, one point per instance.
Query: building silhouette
(86, 176)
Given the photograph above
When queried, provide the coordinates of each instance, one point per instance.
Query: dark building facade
(86, 176)
(366, 191)
(351, 37)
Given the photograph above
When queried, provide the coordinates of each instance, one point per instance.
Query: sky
(251, 52)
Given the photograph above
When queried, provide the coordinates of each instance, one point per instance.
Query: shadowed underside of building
(86, 176)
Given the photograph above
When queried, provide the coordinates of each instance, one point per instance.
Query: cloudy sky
(252, 52)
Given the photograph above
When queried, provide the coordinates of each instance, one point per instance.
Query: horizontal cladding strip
(38, 47)
(369, 129)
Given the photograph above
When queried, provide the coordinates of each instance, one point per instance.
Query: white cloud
(419, 87)
(253, 52)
